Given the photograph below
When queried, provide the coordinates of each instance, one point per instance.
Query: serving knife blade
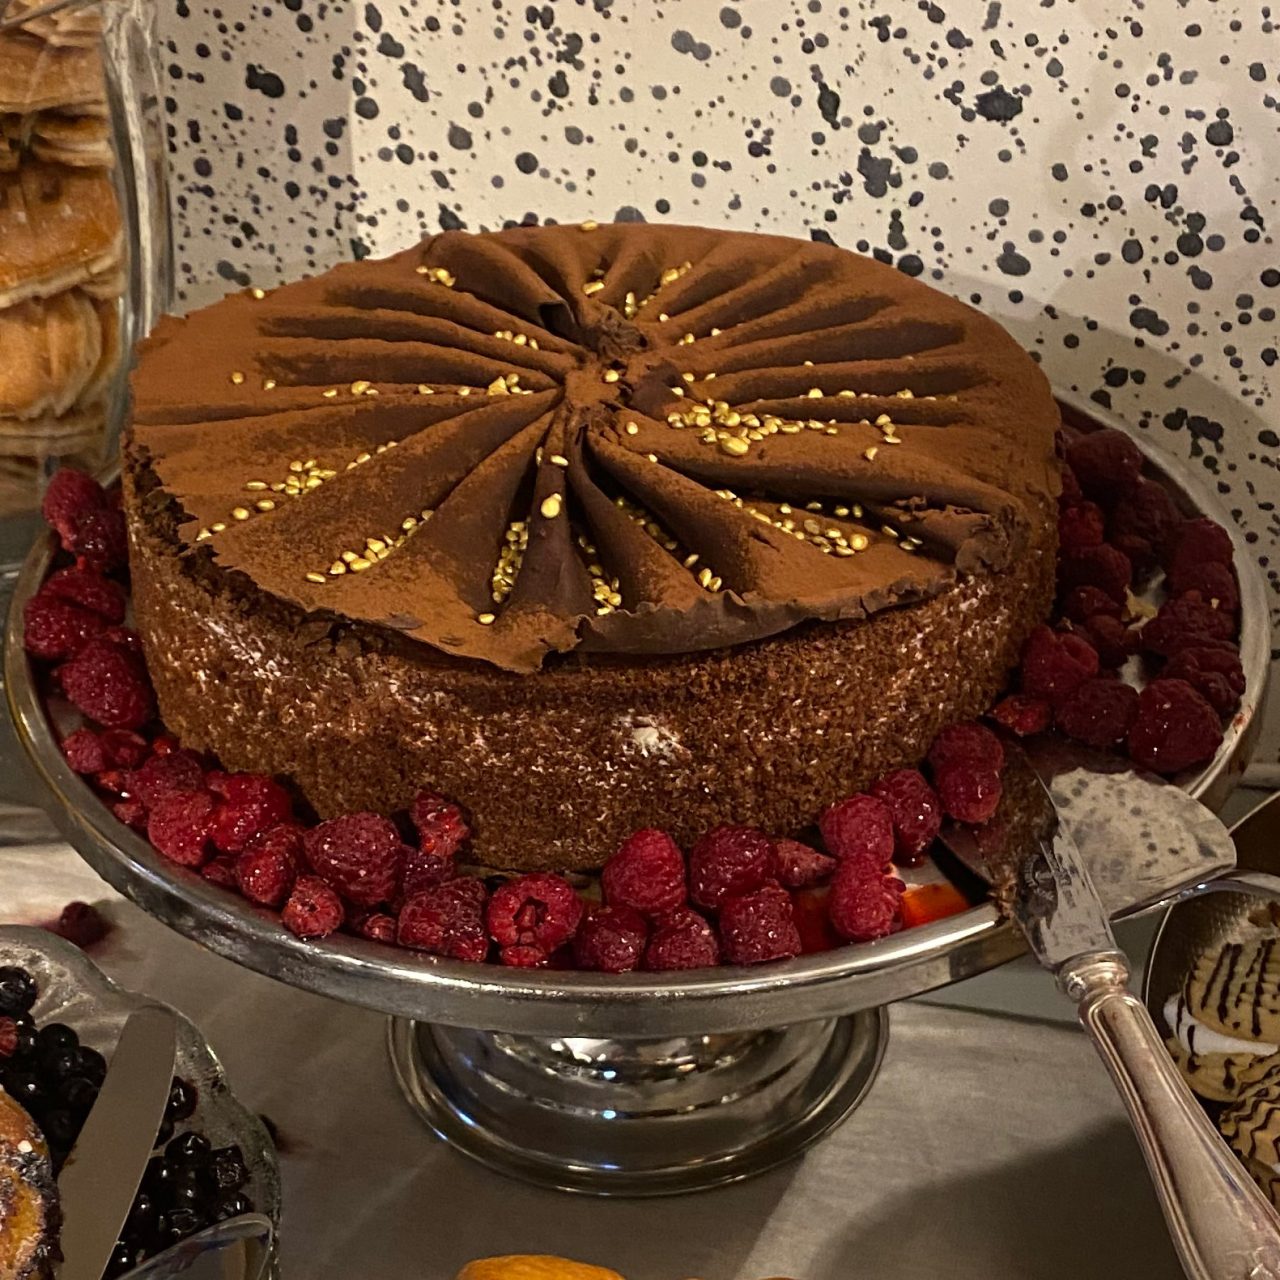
(100, 1178)
(1221, 1224)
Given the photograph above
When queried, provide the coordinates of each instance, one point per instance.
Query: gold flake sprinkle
(589, 225)
(360, 386)
(498, 387)
(256, 486)
(203, 535)
(265, 504)
(237, 378)
(734, 446)
(359, 564)
(558, 460)
(268, 384)
(316, 577)
(240, 513)
(424, 390)
(611, 375)
(550, 507)
(218, 526)
(329, 395)
(592, 286)
(259, 294)
(337, 567)
(486, 619)
(870, 453)
(632, 429)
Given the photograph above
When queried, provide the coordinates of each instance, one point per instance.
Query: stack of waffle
(61, 241)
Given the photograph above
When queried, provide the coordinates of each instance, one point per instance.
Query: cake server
(1222, 1226)
(100, 1178)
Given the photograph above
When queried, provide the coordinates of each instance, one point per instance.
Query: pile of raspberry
(738, 895)
(1118, 530)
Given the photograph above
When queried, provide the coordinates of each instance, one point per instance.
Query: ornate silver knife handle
(1222, 1225)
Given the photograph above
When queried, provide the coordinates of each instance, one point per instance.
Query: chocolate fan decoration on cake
(633, 439)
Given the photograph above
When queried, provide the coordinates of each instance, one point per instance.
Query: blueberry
(26, 1088)
(57, 1064)
(232, 1205)
(190, 1187)
(91, 1064)
(227, 1167)
(178, 1224)
(78, 1094)
(55, 1038)
(142, 1219)
(123, 1258)
(157, 1175)
(17, 991)
(61, 1128)
(182, 1100)
(188, 1148)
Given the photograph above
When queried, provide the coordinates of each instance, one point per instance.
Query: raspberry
(131, 811)
(178, 771)
(1080, 526)
(1183, 623)
(611, 939)
(442, 828)
(864, 904)
(1083, 603)
(125, 749)
(800, 867)
(537, 910)
(251, 803)
(1072, 494)
(647, 874)
(99, 540)
(522, 957)
(221, 871)
(1215, 674)
(730, 860)
(1147, 512)
(967, 793)
(1053, 663)
(1143, 561)
(116, 782)
(1214, 584)
(55, 629)
(681, 939)
(1107, 463)
(377, 926)
(917, 815)
(84, 751)
(1197, 542)
(81, 923)
(1175, 728)
(447, 920)
(1105, 567)
(178, 826)
(424, 870)
(1113, 641)
(313, 909)
(164, 744)
(1098, 712)
(967, 743)
(359, 854)
(267, 868)
(1022, 714)
(860, 829)
(88, 590)
(70, 492)
(109, 685)
(758, 927)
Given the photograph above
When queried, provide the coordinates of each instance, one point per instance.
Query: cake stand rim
(549, 1002)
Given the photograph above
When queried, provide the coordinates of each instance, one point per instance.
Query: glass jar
(85, 258)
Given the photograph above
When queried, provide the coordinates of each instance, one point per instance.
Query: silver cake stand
(640, 1084)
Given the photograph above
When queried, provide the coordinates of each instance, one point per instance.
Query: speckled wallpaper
(1102, 176)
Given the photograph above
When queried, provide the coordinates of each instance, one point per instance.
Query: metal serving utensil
(1222, 1226)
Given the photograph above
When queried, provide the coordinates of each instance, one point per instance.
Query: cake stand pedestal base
(637, 1117)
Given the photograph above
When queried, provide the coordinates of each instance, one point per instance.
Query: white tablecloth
(990, 1148)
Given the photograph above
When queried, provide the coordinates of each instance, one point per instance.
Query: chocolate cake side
(556, 768)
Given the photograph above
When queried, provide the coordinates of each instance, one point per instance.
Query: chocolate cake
(28, 1197)
(589, 528)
